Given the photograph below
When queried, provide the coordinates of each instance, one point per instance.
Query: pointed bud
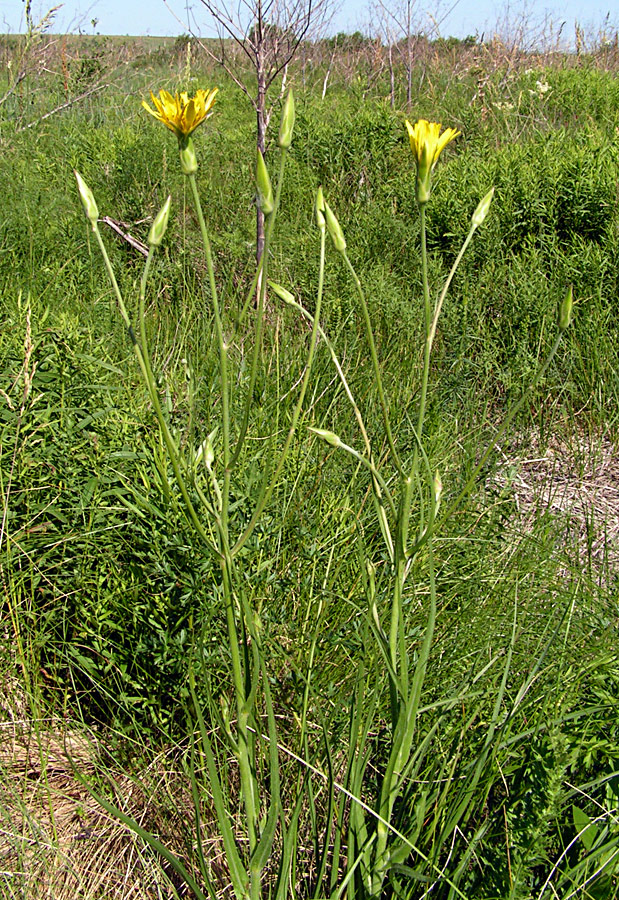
(263, 183)
(438, 490)
(327, 436)
(158, 228)
(209, 450)
(225, 715)
(371, 570)
(88, 200)
(337, 235)
(281, 292)
(286, 124)
(320, 210)
(206, 451)
(482, 209)
(189, 160)
(565, 310)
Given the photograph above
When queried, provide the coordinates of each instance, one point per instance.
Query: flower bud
(209, 450)
(225, 715)
(158, 228)
(424, 174)
(88, 200)
(482, 209)
(189, 160)
(327, 436)
(263, 183)
(281, 292)
(337, 235)
(286, 124)
(438, 489)
(206, 451)
(320, 210)
(565, 310)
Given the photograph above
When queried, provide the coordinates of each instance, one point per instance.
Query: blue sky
(456, 17)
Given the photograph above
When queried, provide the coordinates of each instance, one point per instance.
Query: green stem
(235, 637)
(223, 357)
(112, 277)
(431, 322)
(380, 509)
(446, 286)
(248, 781)
(368, 464)
(408, 482)
(240, 318)
(152, 389)
(404, 727)
(268, 489)
(427, 317)
(151, 383)
(261, 280)
(430, 325)
(375, 365)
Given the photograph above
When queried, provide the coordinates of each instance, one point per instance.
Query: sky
(450, 17)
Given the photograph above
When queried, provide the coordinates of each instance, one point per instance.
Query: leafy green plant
(378, 845)
(110, 599)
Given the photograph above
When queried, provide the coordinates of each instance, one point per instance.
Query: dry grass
(55, 840)
(575, 479)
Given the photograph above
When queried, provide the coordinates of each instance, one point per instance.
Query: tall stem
(263, 270)
(235, 631)
(408, 482)
(171, 447)
(375, 365)
(223, 357)
(427, 318)
(268, 489)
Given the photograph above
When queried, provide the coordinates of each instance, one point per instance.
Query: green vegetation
(115, 613)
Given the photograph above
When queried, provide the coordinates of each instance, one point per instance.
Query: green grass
(108, 599)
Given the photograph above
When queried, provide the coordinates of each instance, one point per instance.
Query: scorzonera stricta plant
(362, 842)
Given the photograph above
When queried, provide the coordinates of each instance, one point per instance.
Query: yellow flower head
(181, 113)
(427, 144)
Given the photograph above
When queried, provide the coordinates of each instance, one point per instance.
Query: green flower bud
(320, 210)
(327, 436)
(189, 160)
(263, 183)
(438, 489)
(482, 209)
(225, 715)
(565, 310)
(286, 124)
(281, 292)
(337, 235)
(424, 174)
(209, 450)
(158, 228)
(88, 200)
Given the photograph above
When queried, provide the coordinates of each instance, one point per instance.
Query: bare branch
(121, 230)
(98, 87)
(268, 34)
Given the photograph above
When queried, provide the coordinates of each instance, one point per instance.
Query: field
(309, 576)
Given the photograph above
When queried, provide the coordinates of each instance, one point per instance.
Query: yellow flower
(181, 113)
(427, 144)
